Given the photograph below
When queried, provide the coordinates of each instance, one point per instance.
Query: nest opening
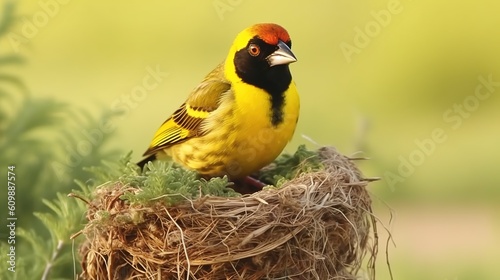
(318, 225)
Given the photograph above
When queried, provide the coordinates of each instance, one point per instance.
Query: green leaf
(34, 114)
(11, 59)
(13, 80)
(7, 18)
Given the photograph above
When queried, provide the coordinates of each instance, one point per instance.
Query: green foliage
(23, 268)
(70, 210)
(39, 136)
(160, 181)
(39, 142)
(40, 165)
(168, 183)
(44, 255)
(64, 220)
(7, 18)
(287, 166)
(7, 79)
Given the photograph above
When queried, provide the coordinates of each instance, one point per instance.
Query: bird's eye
(253, 50)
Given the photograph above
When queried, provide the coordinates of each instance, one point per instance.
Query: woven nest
(316, 226)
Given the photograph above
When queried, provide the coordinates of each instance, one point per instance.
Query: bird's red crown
(271, 33)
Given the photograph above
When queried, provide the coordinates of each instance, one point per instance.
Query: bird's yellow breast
(240, 137)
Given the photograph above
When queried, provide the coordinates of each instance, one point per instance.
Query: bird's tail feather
(146, 160)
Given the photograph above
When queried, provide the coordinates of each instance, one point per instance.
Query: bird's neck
(274, 81)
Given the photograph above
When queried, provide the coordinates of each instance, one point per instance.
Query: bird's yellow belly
(224, 152)
(239, 143)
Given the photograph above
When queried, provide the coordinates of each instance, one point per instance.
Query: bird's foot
(248, 185)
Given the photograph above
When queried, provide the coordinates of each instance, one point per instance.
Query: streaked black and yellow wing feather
(186, 121)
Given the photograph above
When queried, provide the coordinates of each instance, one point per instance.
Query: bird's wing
(186, 121)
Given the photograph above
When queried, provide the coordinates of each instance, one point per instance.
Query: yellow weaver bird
(242, 115)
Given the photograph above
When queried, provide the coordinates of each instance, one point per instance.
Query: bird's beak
(283, 55)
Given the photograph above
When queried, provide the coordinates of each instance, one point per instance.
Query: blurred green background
(413, 85)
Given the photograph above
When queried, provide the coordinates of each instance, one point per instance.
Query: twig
(79, 197)
(50, 264)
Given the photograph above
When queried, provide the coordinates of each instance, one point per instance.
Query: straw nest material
(318, 225)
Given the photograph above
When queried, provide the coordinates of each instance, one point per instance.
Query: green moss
(160, 181)
(287, 166)
(169, 183)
